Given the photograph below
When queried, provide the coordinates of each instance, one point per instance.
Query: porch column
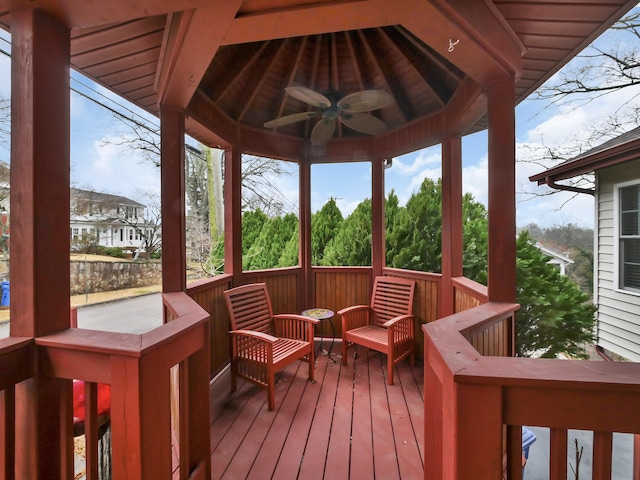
(174, 244)
(40, 243)
(378, 248)
(304, 248)
(233, 212)
(502, 205)
(452, 234)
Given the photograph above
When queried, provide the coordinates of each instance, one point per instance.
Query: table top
(319, 313)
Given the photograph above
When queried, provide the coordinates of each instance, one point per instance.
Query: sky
(99, 164)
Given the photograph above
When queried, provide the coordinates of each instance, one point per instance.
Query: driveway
(132, 315)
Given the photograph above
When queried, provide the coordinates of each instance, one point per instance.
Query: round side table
(323, 314)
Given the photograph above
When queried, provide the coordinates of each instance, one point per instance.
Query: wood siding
(618, 311)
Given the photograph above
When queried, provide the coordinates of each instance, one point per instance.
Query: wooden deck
(349, 424)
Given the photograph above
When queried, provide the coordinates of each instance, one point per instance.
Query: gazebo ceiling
(228, 64)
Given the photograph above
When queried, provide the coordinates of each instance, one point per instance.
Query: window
(629, 237)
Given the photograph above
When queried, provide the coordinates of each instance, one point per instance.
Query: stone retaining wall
(89, 277)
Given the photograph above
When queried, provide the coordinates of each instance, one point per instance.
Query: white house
(616, 165)
(559, 260)
(109, 220)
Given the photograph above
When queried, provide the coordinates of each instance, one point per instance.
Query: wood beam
(192, 41)
(174, 259)
(85, 13)
(464, 34)
(502, 205)
(308, 19)
(452, 233)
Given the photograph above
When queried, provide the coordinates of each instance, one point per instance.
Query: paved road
(132, 315)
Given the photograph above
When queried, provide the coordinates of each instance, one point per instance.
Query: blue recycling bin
(5, 294)
(528, 439)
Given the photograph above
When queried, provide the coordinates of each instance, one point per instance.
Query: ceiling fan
(331, 106)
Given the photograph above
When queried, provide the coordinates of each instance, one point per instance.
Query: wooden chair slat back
(250, 308)
(391, 297)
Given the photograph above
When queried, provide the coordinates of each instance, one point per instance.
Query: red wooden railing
(474, 397)
(137, 368)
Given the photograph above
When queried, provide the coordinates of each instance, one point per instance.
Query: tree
(351, 245)
(606, 66)
(415, 241)
(555, 316)
(5, 122)
(148, 228)
(266, 250)
(325, 223)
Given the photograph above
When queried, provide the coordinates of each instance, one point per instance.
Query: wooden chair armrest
(347, 310)
(293, 316)
(354, 317)
(400, 318)
(265, 337)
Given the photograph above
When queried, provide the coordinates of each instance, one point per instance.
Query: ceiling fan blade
(323, 131)
(363, 123)
(309, 96)
(365, 101)
(289, 119)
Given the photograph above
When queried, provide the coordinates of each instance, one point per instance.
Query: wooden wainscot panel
(282, 285)
(425, 303)
(209, 295)
(337, 288)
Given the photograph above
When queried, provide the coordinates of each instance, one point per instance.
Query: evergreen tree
(415, 241)
(555, 316)
(266, 250)
(475, 230)
(325, 223)
(351, 246)
(289, 256)
(252, 223)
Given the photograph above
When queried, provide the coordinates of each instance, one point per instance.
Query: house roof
(105, 198)
(228, 65)
(620, 149)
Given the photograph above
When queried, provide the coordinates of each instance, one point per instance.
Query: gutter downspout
(569, 188)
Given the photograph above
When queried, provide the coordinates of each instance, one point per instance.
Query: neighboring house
(559, 260)
(616, 165)
(108, 220)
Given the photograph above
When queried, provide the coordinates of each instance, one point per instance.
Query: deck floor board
(348, 424)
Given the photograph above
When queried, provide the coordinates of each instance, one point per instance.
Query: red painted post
(451, 222)
(40, 196)
(478, 448)
(174, 261)
(304, 247)
(502, 203)
(377, 217)
(233, 213)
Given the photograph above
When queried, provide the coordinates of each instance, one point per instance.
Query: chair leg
(271, 391)
(344, 351)
(312, 365)
(233, 379)
(389, 368)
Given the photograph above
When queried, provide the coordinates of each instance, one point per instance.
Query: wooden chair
(386, 325)
(264, 343)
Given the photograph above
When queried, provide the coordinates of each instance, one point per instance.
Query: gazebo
(219, 71)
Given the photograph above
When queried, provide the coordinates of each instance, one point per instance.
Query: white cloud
(424, 158)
